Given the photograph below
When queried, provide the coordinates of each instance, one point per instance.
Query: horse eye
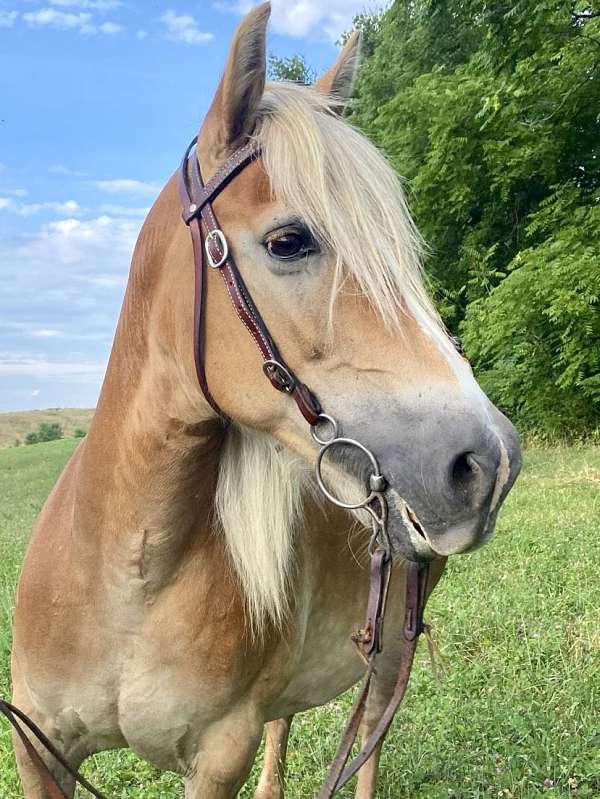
(288, 246)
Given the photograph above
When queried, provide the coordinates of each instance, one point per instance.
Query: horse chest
(200, 667)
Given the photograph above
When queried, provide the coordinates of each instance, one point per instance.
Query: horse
(185, 584)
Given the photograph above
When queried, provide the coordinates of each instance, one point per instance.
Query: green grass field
(516, 714)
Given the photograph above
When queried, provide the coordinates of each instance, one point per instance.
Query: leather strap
(199, 285)
(339, 773)
(13, 714)
(196, 200)
(204, 193)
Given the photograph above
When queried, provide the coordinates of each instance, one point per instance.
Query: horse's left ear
(338, 81)
(232, 115)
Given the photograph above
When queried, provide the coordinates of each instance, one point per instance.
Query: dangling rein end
(369, 643)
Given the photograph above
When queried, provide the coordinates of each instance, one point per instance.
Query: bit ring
(374, 478)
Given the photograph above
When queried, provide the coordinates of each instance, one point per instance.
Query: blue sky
(98, 100)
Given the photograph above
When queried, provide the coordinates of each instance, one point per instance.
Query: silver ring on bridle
(376, 484)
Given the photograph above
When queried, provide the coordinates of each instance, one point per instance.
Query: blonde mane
(328, 173)
(259, 502)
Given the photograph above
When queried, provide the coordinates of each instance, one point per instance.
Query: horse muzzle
(448, 501)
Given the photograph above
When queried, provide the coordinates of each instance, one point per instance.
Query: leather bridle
(210, 246)
(211, 250)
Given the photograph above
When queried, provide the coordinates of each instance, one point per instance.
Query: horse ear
(338, 81)
(232, 115)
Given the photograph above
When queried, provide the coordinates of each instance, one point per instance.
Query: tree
(47, 431)
(490, 111)
(294, 69)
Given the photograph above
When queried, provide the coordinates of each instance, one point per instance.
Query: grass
(516, 715)
(15, 425)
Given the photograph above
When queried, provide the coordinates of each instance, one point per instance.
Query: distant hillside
(17, 424)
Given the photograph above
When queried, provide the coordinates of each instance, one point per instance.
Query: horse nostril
(465, 470)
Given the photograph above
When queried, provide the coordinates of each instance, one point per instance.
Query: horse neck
(147, 472)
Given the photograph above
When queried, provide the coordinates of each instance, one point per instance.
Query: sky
(98, 101)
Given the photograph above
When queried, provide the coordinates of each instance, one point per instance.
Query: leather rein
(210, 248)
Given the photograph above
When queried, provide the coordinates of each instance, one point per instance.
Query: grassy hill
(516, 713)
(17, 424)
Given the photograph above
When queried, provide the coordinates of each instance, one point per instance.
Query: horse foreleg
(225, 755)
(271, 783)
(380, 694)
(69, 745)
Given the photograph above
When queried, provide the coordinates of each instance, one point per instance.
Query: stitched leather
(416, 575)
(196, 200)
(200, 287)
(226, 172)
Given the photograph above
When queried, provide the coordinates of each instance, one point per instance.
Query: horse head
(319, 228)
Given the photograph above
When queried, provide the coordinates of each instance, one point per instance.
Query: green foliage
(79, 432)
(491, 113)
(294, 69)
(535, 338)
(47, 431)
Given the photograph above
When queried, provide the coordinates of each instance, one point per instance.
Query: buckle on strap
(212, 237)
(280, 377)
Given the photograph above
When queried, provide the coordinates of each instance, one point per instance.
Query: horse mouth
(454, 540)
(415, 522)
(416, 532)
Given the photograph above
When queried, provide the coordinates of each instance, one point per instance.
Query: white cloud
(60, 19)
(15, 192)
(90, 244)
(7, 18)
(82, 21)
(141, 34)
(62, 290)
(16, 364)
(123, 210)
(69, 207)
(184, 28)
(60, 169)
(108, 281)
(300, 18)
(97, 5)
(126, 186)
(45, 332)
(27, 209)
(110, 28)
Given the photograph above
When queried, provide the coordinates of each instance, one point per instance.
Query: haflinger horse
(185, 584)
